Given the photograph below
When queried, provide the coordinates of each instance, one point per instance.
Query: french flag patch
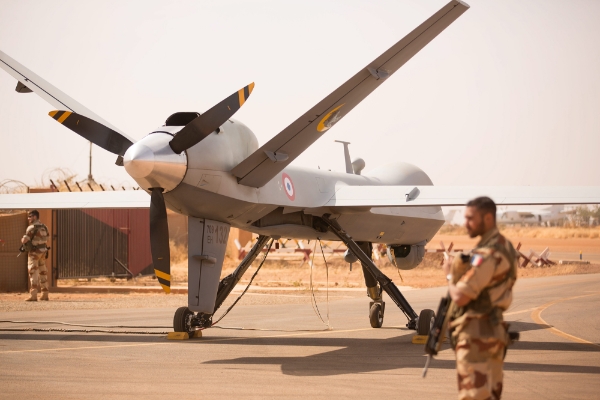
(476, 260)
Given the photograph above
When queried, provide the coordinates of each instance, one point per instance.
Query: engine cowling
(405, 256)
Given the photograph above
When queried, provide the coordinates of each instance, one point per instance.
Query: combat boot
(32, 296)
(44, 295)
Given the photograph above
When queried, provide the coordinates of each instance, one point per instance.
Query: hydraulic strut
(228, 283)
(385, 282)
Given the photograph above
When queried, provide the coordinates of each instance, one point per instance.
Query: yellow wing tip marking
(64, 116)
(250, 87)
(53, 113)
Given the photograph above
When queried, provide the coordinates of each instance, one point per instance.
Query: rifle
(438, 330)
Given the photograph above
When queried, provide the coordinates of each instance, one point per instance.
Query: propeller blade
(93, 131)
(159, 239)
(210, 121)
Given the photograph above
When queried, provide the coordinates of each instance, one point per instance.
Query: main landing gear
(186, 320)
(421, 323)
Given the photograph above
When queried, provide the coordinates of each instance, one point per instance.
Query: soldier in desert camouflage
(34, 242)
(480, 285)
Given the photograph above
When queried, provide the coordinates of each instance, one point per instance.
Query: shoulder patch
(476, 260)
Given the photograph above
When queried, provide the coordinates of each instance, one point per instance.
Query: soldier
(480, 285)
(34, 242)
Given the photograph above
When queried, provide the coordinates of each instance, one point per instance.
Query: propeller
(159, 239)
(188, 136)
(93, 131)
(210, 121)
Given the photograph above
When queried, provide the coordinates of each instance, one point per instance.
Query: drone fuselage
(198, 183)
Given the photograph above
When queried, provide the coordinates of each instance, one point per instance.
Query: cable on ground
(313, 301)
(247, 287)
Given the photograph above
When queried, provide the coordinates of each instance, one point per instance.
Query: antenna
(349, 169)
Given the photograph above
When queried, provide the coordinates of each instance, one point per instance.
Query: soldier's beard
(479, 230)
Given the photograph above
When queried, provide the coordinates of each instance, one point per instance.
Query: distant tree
(587, 215)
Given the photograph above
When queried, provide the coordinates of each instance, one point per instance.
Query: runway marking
(206, 339)
(519, 312)
(82, 348)
(537, 318)
(295, 334)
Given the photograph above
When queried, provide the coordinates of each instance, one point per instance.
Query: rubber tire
(180, 319)
(426, 318)
(376, 315)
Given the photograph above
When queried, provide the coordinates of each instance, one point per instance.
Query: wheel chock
(419, 339)
(178, 336)
(197, 334)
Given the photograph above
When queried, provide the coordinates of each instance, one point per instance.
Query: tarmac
(285, 351)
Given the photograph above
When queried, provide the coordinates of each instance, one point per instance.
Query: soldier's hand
(447, 266)
(24, 239)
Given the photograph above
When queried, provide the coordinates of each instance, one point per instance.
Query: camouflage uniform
(37, 233)
(478, 332)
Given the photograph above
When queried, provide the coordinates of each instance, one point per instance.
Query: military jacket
(38, 236)
(487, 278)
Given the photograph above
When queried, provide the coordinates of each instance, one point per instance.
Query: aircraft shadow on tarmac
(519, 326)
(369, 355)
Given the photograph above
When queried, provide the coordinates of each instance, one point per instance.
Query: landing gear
(426, 318)
(384, 282)
(376, 311)
(182, 321)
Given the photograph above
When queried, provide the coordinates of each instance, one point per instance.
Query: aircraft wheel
(182, 321)
(426, 318)
(376, 315)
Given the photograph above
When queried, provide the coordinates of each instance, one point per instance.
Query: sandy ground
(284, 351)
(335, 274)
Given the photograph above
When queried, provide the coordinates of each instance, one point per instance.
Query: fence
(13, 270)
(92, 243)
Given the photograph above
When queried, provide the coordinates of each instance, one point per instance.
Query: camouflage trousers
(479, 368)
(38, 274)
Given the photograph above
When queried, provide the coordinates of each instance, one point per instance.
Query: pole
(90, 177)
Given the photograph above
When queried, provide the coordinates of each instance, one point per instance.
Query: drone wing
(414, 196)
(63, 200)
(266, 162)
(28, 82)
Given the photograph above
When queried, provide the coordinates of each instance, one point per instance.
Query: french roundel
(288, 185)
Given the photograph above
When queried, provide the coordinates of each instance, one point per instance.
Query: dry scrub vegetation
(553, 232)
(295, 273)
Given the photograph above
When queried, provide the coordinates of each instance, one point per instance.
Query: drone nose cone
(139, 160)
(153, 164)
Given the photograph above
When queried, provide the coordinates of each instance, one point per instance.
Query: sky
(509, 94)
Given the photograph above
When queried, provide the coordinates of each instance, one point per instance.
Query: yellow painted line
(209, 340)
(296, 334)
(537, 318)
(64, 116)
(82, 348)
(162, 275)
(519, 312)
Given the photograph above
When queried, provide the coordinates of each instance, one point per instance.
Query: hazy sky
(509, 94)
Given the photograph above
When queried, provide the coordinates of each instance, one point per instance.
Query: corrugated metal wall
(93, 243)
(13, 270)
